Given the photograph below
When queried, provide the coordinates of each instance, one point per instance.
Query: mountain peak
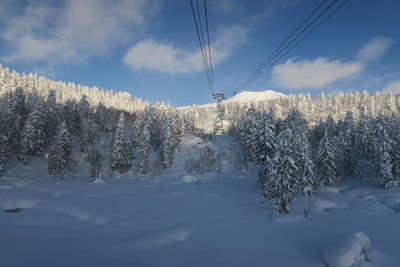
(247, 96)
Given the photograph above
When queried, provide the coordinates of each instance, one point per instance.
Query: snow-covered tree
(283, 181)
(121, 155)
(52, 111)
(167, 146)
(267, 147)
(383, 145)
(86, 124)
(327, 160)
(33, 137)
(60, 152)
(96, 162)
(302, 151)
(3, 153)
(348, 143)
(363, 137)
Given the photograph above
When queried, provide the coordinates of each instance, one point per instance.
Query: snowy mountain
(247, 96)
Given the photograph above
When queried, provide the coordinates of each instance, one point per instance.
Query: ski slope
(193, 214)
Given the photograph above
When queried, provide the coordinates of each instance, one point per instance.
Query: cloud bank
(320, 72)
(71, 31)
(150, 55)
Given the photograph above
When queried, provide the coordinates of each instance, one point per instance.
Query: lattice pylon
(218, 125)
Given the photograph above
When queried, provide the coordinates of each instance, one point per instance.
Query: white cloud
(393, 88)
(165, 58)
(72, 31)
(313, 74)
(374, 49)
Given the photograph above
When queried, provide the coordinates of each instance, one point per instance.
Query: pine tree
(327, 160)
(283, 182)
(121, 155)
(60, 152)
(33, 137)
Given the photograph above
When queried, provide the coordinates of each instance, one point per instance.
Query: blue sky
(149, 47)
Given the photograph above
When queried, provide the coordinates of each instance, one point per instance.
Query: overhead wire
(294, 39)
(305, 36)
(287, 39)
(209, 46)
(199, 30)
(274, 57)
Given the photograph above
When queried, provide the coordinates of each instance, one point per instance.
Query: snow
(251, 96)
(348, 252)
(206, 217)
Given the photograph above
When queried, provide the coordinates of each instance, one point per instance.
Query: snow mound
(348, 252)
(247, 96)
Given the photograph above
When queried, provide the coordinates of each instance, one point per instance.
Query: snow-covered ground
(193, 214)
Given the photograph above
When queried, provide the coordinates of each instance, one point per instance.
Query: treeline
(295, 159)
(41, 86)
(31, 126)
(313, 108)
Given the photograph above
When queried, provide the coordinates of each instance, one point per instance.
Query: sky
(150, 49)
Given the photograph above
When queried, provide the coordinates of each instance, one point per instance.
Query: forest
(297, 143)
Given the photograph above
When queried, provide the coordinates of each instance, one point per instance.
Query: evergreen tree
(267, 145)
(52, 111)
(395, 137)
(33, 137)
(363, 137)
(302, 151)
(348, 144)
(96, 163)
(71, 117)
(3, 153)
(282, 183)
(60, 152)
(383, 145)
(121, 156)
(145, 136)
(327, 160)
(167, 141)
(86, 124)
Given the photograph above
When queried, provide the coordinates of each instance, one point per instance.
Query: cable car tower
(218, 125)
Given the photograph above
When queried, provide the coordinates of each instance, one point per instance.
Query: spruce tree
(167, 141)
(283, 181)
(302, 151)
(267, 146)
(348, 144)
(383, 145)
(363, 137)
(33, 137)
(96, 162)
(60, 152)
(121, 156)
(327, 160)
(3, 153)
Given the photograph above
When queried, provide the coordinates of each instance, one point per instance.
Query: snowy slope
(186, 217)
(247, 96)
